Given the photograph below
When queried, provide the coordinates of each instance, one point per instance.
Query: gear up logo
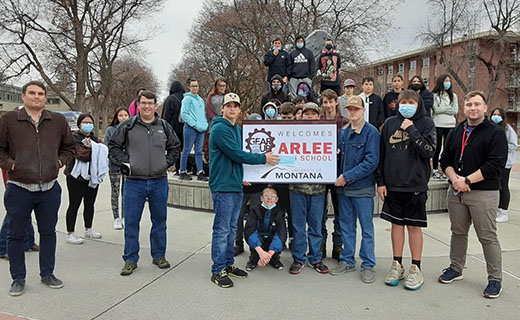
(260, 141)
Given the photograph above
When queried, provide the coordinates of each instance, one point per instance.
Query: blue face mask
(267, 207)
(407, 110)
(270, 113)
(496, 119)
(299, 45)
(87, 127)
(447, 85)
(277, 48)
(302, 93)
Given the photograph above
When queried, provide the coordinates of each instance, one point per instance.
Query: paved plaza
(95, 290)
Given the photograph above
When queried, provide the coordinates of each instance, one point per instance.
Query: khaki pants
(479, 207)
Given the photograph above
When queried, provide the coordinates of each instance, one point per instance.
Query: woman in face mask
(417, 84)
(444, 112)
(79, 189)
(498, 117)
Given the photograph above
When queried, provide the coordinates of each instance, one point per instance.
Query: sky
(176, 18)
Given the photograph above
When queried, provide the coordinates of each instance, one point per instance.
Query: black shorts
(405, 208)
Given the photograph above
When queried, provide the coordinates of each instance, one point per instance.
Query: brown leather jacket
(35, 152)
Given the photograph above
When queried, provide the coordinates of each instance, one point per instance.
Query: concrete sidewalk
(95, 290)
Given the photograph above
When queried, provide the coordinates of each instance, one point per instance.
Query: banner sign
(307, 150)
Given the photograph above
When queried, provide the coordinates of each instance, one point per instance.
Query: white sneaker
(415, 279)
(89, 233)
(118, 225)
(502, 216)
(396, 273)
(73, 239)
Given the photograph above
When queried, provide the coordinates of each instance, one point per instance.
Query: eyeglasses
(269, 196)
(147, 104)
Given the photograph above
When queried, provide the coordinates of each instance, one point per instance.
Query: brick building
(425, 63)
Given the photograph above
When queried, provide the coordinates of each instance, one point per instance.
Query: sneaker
(444, 176)
(336, 251)
(118, 224)
(502, 216)
(73, 239)
(52, 282)
(238, 250)
(128, 268)
(277, 265)
(449, 275)
(236, 272)
(396, 273)
(341, 268)
(162, 263)
(436, 175)
(250, 266)
(493, 289)
(320, 267)
(4, 257)
(184, 176)
(17, 287)
(35, 248)
(323, 250)
(368, 275)
(414, 279)
(222, 280)
(201, 176)
(90, 233)
(296, 268)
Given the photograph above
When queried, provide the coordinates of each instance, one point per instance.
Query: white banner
(307, 151)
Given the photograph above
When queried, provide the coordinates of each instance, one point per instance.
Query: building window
(413, 64)
(390, 69)
(401, 67)
(389, 87)
(53, 100)
(371, 72)
(426, 62)
(514, 55)
(426, 82)
(380, 71)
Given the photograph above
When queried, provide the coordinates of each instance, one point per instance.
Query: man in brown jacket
(34, 144)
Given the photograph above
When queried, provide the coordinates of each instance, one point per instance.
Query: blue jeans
(135, 193)
(227, 209)
(28, 241)
(307, 210)
(351, 209)
(191, 137)
(19, 204)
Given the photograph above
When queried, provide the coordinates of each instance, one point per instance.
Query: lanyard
(464, 141)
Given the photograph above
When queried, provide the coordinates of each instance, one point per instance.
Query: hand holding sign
(271, 158)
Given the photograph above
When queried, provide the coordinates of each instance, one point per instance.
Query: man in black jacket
(329, 67)
(407, 145)
(278, 61)
(375, 113)
(303, 66)
(474, 155)
(171, 111)
(144, 146)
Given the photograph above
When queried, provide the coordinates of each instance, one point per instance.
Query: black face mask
(415, 86)
(328, 47)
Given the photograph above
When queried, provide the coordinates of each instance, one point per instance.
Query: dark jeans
(28, 241)
(335, 87)
(80, 191)
(441, 132)
(254, 257)
(19, 203)
(284, 202)
(505, 195)
(254, 199)
(336, 234)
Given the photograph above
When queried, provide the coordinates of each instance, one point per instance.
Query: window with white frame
(426, 82)
(380, 71)
(426, 62)
(389, 87)
(401, 68)
(413, 64)
(390, 69)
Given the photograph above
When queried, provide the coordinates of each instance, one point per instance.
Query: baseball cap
(355, 101)
(231, 97)
(311, 106)
(349, 82)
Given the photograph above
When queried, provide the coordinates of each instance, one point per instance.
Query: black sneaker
(250, 266)
(320, 267)
(493, 289)
(238, 250)
(52, 282)
(236, 272)
(128, 269)
(336, 251)
(17, 287)
(277, 264)
(323, 250)
(162, 263)
(296, 268)
(184, 176)
(449, 275)
(201, 176)
(222, 280)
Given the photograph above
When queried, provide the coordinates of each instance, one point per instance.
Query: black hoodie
(302, 62)
(404, 163)
(172, 107)
(272, 96)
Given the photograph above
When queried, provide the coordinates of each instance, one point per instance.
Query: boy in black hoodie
(266, 232)
(407, 145)
(303, 66)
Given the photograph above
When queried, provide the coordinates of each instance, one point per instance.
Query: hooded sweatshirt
(329, 65)
(302, 62)
(193, 112)
(404, 163)
(226, 156)
(276, 115)
(273, 96)
(172, 107)
(279, 64)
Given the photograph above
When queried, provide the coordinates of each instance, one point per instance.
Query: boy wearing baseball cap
(225, 183)
(348, 88)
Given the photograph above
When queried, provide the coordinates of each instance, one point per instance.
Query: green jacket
(226, 156)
